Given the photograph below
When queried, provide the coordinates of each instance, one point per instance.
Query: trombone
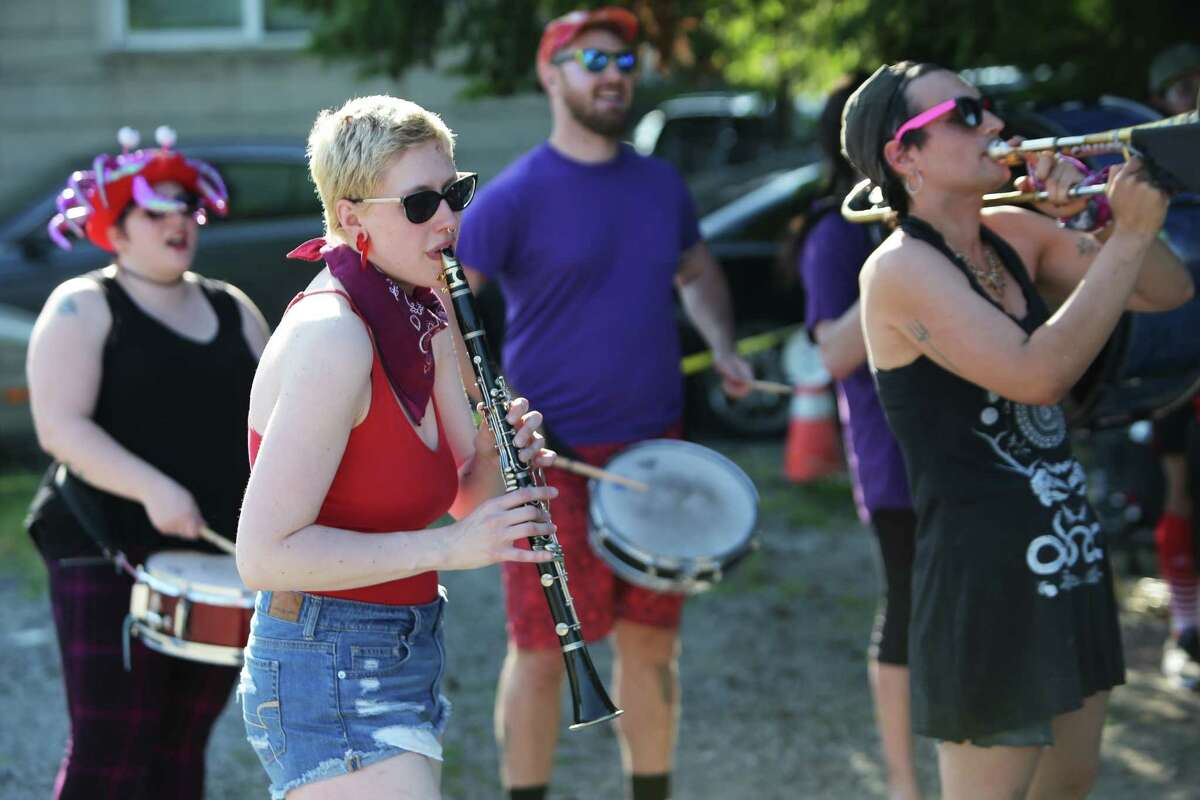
(1118, 140)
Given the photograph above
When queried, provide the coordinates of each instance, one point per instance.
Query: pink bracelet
(1098, 212)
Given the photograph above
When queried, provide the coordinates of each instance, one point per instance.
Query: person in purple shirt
(587, 241)
(830, 253)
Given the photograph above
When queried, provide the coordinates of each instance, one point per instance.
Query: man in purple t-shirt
(587, 241)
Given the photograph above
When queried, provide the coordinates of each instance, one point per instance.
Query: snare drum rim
(196, 591)
(215, 654)
(600, 525)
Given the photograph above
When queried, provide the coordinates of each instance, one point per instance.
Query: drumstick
(212, 537)
(772, 387)
(580, 468)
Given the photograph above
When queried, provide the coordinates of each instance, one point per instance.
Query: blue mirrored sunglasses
(594, 60)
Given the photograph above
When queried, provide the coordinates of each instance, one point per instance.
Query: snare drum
(192, 606)
(694, 524)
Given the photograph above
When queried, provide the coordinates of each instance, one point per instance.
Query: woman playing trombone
(1014, 642)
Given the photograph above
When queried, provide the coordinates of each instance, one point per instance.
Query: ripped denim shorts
(330, 686)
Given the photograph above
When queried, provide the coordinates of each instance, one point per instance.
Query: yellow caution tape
(698, 362)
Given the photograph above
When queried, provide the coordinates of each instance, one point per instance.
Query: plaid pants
(136, 734)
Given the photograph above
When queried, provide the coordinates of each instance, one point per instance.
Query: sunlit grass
(17, 554)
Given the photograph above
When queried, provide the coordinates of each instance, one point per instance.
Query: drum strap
(80, 500)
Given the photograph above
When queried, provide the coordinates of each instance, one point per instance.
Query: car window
(752, 136)
(694, 143)
(773, 222)
(266, 190)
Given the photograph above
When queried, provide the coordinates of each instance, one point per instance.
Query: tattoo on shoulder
(925, 339)
(67, 307)
(1086, 245)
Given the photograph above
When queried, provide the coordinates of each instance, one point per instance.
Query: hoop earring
(920, 184)
(363, 245)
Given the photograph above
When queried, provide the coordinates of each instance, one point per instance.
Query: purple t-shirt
(585, 256)
(833, 254)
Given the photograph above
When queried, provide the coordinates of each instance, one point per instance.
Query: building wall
(65, 89)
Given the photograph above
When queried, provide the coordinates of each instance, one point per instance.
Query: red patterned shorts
(600, 596)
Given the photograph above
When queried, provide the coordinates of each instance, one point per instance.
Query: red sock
(1176, 563)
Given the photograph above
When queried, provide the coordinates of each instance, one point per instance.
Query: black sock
(527, 793)
(651, 787)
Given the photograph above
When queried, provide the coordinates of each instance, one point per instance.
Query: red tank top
(388, 480)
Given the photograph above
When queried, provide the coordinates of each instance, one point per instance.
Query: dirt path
(774, 680)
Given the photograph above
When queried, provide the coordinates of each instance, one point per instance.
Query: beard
(610, 123)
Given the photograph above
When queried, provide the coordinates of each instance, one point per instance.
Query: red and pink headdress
(94, 199)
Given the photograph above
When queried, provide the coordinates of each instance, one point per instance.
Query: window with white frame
(173, 25)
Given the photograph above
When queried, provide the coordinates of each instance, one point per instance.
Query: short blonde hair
(349, 149)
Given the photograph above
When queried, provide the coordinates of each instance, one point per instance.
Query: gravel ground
(774, 681)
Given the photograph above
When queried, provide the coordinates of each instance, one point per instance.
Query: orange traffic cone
(812, 449)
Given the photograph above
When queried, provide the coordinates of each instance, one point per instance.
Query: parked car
(720, 140)
(272, 209)
(746, 236)
(16, 426)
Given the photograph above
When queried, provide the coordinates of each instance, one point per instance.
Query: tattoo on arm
(1086, 245)
(925, 339)
(68, 307)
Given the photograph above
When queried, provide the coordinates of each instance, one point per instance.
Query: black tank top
(1013, 618)
(180, 405)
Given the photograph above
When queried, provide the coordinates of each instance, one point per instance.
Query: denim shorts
(330, 686)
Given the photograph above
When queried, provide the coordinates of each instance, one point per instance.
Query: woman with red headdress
(139, 377)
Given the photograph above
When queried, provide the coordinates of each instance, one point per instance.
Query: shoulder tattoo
(68, 308)
(924, 338)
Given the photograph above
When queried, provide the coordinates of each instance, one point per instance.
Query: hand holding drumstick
(770, 387)
(581, 468)
(214, 538)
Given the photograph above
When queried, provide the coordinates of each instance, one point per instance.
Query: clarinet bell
(589, 701)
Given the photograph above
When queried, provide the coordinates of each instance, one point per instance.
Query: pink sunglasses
(969, 111)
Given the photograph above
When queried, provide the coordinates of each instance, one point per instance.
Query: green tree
(1078, 48)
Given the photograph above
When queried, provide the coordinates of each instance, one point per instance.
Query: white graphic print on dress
(1060, 485)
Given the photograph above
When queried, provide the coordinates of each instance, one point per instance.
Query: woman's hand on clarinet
(527, 438)
(487, 534)
(172, 510)
(1138, 206)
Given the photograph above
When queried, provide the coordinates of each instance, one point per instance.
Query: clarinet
(589, 700)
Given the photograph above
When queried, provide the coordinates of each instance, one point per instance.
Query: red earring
(363, 244)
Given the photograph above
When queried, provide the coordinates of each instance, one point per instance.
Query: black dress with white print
(1013, 618)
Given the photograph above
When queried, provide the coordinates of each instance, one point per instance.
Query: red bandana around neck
(403, 326)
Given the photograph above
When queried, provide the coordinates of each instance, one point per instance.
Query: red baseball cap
(562, 31)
